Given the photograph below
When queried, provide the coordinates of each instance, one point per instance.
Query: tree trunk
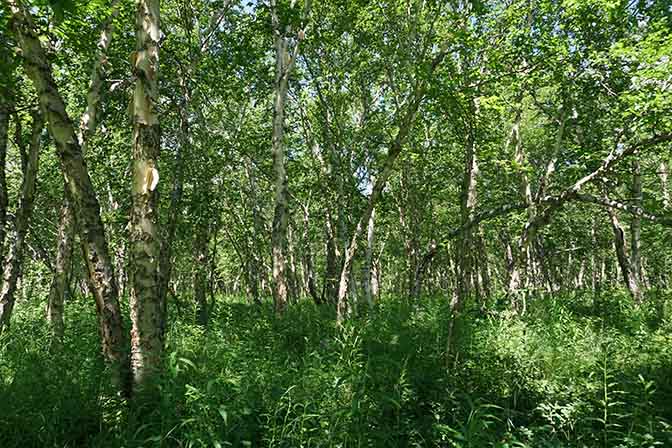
(368, 259)
(284, 63)
(468, 202)
(212, 274)
(636, 224)
(409, 227)
(293, 277)
(331, 268)
(256, 261)
(375, 279)
(175, 208)
(12, 265)
(394, 150)
(87, 125)
(663, 173)
(147, 308)
(283, 66)
(201, 272)
(279, 233)
(4, 201)
(629, 277)
(579, 276)
(308, 268)
(521, 253)
(593, 256)
(87, 208)
(330, 283)
(524, 190)
(59, 282)
(89, 119)
(484, 281)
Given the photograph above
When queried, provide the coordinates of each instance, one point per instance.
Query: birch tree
(12, 264)
(286, 52)
(147, 308)
(80, 188)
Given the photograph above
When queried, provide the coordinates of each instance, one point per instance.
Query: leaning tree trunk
(406, 122)
(521, 250)
(12, 267)
(147, 310)
(629, 277)
(87, 208)
(87, 125)
(405, 125)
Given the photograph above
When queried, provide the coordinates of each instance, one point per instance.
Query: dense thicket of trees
(336, 152)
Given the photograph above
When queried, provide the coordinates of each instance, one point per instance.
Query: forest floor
(570, 373)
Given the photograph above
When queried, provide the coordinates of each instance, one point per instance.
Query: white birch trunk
(147, 308)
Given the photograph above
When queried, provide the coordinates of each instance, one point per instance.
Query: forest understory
(575, 371)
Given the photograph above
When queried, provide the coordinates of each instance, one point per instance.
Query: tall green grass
(573, 372)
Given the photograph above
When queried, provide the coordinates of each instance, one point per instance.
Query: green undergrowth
(575, 371)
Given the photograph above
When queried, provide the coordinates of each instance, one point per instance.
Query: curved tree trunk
(521, 253)
(405, 121)
(405, 125)
(87, 208)
(87, 125)
(629, 276)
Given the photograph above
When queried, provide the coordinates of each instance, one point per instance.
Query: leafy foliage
(562, 376)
